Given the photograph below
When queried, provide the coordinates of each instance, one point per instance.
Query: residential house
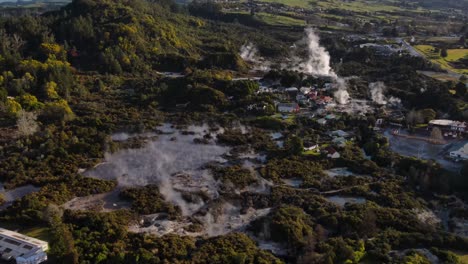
(340, 141)
(291, 90)
(332, 153)
(288, 108)
(323, 100)
(322, 121)
(327, 86)
(310, 146)
(302, 99)
(340, 133)
(256, 107)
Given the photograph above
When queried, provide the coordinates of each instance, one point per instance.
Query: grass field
(288, 119)
(355, 6)
(453, 55)
(278, 20)
(463, 256)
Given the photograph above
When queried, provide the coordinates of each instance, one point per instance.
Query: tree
(26, 123)
(443, 53)
(460, 88)
(12, 107)
(413, 118)
(29, 102)
(50, 90)
(57, 111)
(242, 89)
(462, 40)
(463, 78)
(295, 145)
(427, 114)
(436, 133)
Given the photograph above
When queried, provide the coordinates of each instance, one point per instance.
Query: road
(409, 48)
(414, 52)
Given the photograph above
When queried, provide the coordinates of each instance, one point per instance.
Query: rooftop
(17, 245)
(441, 122)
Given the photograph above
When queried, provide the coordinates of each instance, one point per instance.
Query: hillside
(144, 131)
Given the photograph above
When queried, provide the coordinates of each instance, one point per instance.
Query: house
(21, 248)
(339, 141)
(332, 153)
(308, 147)
(302, 99)
(378, 122)
(323, 100)
(291, 90)
(327, 86)
(340, 133)
(288, 108)
(313, 95)
(257, 107)
(305, 90)
(461, 154)
(322, 121)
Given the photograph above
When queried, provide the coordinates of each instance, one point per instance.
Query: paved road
(410, 48)
(416, 53)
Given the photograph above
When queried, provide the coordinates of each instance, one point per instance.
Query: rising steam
(376, 91)
(168, 161)
(249, 53)
(318, 59)
(317, 63)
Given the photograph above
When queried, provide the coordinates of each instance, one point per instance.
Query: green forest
(73, 77)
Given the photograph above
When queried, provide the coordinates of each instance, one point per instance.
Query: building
(21, 248)
(340, 142)
(332, 153)
(461, 154)
(449, 125)
(340, 133)
(288, 108)
(322, 121)
(309, 146)
(293, 90)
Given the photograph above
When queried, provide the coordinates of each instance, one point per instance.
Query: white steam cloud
(317, 63)
(249, 53)
(172, 161)
(318, 60)
(175, 160)
(376, 91)
(341, 95)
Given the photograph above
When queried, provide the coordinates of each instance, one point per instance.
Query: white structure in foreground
(24, 249)
(461, 154)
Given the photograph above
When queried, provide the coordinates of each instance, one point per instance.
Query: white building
(23, 249)
(461, 154)
(449, 125)
(322, 121)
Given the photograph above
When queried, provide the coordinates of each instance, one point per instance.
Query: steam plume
(249, 53)
(341, 95)
(318, 61)
(173, 161)
(376, 90)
